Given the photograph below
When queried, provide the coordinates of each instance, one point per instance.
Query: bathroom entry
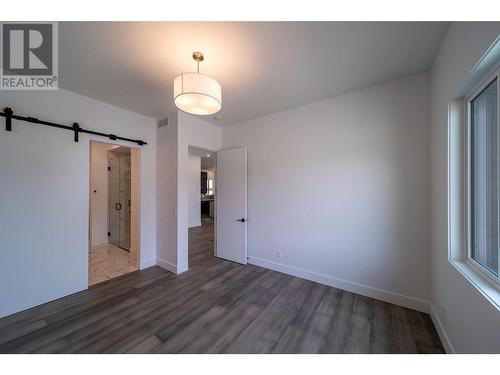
(119, 197)
(114, 211)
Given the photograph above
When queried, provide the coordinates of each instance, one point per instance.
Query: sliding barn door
(231, 199)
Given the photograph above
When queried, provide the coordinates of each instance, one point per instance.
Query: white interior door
(231, 200)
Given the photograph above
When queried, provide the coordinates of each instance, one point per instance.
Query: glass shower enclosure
(119, 195)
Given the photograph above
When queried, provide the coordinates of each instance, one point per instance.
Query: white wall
(194, 214)
(210, 174)
(341, 188)
(44, 200)
(467, 321)
(167, 169)
(173, 184)
(99, 198)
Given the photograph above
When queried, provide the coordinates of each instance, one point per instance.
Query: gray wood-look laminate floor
(217, 307)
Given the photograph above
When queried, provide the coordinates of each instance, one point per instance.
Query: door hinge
(109, 168)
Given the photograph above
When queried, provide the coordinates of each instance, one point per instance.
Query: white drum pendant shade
(197, 94)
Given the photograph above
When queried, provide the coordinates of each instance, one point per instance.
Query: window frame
(476, 266)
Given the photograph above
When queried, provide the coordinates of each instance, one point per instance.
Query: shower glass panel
(119, 185)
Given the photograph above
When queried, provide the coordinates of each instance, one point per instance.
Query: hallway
(201, 242)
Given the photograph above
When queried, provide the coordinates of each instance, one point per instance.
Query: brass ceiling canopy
(198, 56)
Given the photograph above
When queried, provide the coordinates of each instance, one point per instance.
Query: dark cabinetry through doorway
(204, 182)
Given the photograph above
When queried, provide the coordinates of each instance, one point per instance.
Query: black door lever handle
(242, 220)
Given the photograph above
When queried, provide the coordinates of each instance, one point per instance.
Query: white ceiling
(263, 67)
(207, 163)
(207, 157)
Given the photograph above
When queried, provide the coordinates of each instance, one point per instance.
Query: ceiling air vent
(163, 122)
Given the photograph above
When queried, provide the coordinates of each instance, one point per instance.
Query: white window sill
(485, 286)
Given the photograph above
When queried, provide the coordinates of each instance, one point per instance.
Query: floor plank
(217, 307)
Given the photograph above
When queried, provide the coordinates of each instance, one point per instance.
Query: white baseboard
(350, 286)
(147, 263)
(166, 265)
(193, 225)
(182, 268)
(448, 347)
(177, 269)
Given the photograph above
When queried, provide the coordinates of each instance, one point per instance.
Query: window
(210, 187)
(484, 178)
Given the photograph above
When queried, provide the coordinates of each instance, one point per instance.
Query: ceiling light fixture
(197, 93)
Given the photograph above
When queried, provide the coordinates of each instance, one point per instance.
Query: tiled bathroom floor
(108, 261)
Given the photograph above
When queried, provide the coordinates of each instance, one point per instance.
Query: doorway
(201, 214)
(113, 221)
(217, 214)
